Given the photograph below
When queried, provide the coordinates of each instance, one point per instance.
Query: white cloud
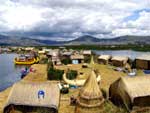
(70, 19)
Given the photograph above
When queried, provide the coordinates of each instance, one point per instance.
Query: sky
(69, 19)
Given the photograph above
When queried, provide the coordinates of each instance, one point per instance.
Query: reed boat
(37, 60)
(26, 60)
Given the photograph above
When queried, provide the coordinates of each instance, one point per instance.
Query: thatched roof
(144, 57)
(29, 48)
(87, 52)
(77, 56)
(54, 52)
(41, 51)
(91, 88)
(137, 86)
(131, 92)
(67, 53)
(90, 98)
(90, 95)
(120, 58)
(104, 57)
(26, 93)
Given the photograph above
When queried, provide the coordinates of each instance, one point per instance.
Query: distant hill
(24, 41)
(86, 40)
(113, 41)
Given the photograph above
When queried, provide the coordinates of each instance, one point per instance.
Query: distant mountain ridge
(86, 40)
(122, 40)
(24, 41)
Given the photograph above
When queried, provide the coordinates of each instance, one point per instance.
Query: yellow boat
(26, 59)
(25, 62)
(37, 60)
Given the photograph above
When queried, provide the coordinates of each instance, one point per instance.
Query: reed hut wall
(142, 64)
(131, 92)
(29, 109)
(118, 95)
(103, 61)
(117, 63)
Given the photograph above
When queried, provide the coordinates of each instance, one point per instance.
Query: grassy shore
(39, 75)
(108, 76)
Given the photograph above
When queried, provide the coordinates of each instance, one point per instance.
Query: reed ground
(108, 76)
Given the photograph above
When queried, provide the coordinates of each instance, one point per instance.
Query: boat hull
(25, 62)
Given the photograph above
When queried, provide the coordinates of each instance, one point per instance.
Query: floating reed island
(37, 92)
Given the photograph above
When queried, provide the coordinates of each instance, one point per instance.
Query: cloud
(66, 19)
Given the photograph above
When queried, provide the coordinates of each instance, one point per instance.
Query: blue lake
(9, 73)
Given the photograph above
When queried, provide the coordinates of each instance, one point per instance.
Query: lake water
(9, 73)
(131, 54)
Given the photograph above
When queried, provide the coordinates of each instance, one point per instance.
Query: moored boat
(26, 60)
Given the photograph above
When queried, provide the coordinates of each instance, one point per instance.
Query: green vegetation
(66, 61)
(71, 74)
(136, 47)
(55, 74)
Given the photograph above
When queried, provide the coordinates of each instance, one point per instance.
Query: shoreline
(108, 76)
(41, 69)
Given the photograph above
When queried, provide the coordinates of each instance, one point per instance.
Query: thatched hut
(29, 48)
(143, 62)
(66, 55)
(33, 97)
(131, 92)
(87, 53)
(77, 58)
(54, 56)
(119, 61)
(41, 52)
(90, 98)
(104, 59)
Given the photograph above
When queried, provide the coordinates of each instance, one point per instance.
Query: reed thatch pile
(90, 98)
